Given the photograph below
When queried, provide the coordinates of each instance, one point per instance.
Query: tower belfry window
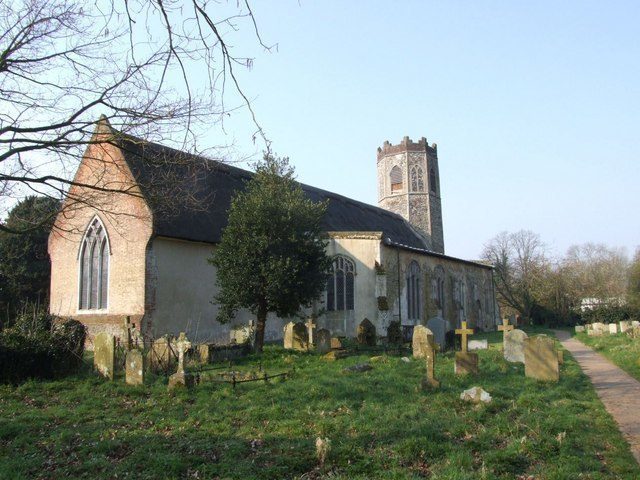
(417, 181)
(396, 179)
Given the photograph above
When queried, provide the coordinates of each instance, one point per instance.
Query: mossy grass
(620, 348)
(381, 424)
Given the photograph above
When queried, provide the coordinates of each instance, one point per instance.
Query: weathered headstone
(624, 325)
(420, 342)
(635, 324)
(478, 345)
(430, 358)
(336, 344)
(394, 333)
(541, 359)
(466, 363)
(323, 340)
(580, 328)
(367, 333)
(438, 327)
(134, 368)
(299, 337)
(204, 352)
(104, 354)
(464, 332)
(513, 347)
(613, 328)
(181, 378)
(161, 355)
(599, 328)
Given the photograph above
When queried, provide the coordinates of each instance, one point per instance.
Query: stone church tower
(409, 185)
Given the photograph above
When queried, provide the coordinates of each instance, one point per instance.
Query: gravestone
(478, 345)
(464, 332)
(161, 356)
(295, 336)
(599, 329)
(505, 328)
(204, 352)
(134, 368)
(561, 357)
(181, 378)
(438, 327)
(513, 347)
(613, 328)
(466, 363)
(311, 328)
(336, 344)
(126, 334)
(242, 334)
(625, 325)
(366, 333)
(104, 354)
(635, 324)
(430, 358)
(420, 342)
(323, 341)
(580, 328)
(541, 359)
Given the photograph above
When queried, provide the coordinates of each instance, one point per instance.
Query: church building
(117, 252)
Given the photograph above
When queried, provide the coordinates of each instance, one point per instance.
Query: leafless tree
(520, 265)
(157, 69)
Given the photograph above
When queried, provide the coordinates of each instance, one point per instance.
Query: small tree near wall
(272, 255)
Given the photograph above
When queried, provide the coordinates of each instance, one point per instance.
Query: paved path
(618, 390)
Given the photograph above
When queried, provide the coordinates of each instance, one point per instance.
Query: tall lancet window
(413, 291)
(94, 268)
(396, 179)
(340, 285)
(417, 179)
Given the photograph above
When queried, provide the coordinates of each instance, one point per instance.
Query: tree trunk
(260, 326)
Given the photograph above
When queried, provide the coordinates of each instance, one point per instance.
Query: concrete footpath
(618, 390)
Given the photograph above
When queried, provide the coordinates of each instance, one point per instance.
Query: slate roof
(163, 172)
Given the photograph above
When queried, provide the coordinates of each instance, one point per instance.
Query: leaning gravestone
(323, 340)
(541, 359)
(296, 336)
(104, 354)
(134, 368)
(513, 347)
(420, 342)
(478, 345)
(366, 333)
(438, 327)
(624, 326)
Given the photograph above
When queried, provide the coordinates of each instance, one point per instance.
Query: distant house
(129, 257)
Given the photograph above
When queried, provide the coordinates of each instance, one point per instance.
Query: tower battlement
(407, 145)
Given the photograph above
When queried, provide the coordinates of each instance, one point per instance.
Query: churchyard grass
(621, 349)
(380, 424)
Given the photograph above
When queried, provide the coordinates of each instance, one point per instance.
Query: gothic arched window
(396, 179)
(94, 268)
(432, 180)
(417, 180)
(413, 291)
(340, 285)
(437, 293)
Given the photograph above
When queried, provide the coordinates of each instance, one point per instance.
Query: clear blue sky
(535, 107)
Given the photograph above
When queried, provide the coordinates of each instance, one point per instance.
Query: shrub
(41, 353)
(608, 314)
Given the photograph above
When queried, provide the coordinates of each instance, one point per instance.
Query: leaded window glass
(94, 268)
(417, 180)
(340, 285)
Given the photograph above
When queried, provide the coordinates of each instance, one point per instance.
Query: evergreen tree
(25, 268)
(272, 256)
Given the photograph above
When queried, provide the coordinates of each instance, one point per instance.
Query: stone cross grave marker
(464, 332)
(323, 341)
(505, 328)
(104, 354)
(541, 359)
(310, 329)
(181, 378)
(420, 341)
(134, 368)
(430, 359)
